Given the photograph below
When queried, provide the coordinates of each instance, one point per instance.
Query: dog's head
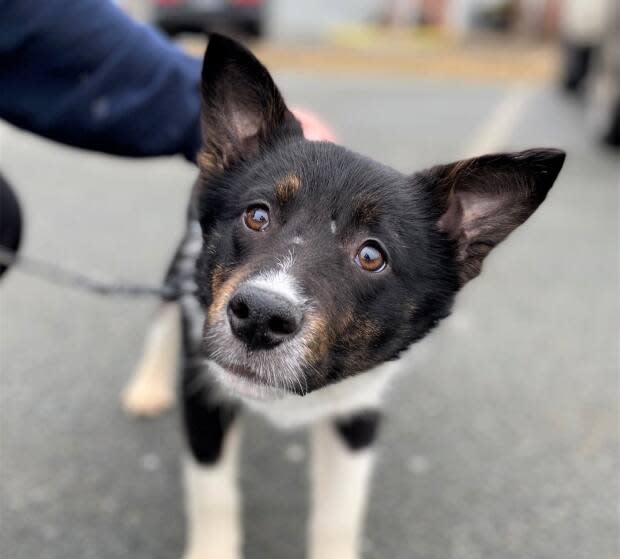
(319, 263)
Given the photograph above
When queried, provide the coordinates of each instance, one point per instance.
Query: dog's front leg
(213, 432)
(151, 388)
(342, 459)
(212, 499)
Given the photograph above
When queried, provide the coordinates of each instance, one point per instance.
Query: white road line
(495, 130)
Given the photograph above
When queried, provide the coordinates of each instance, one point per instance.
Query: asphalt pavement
(502, 443)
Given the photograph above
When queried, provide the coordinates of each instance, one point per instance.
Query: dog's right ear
(481, 200)
(242, 109)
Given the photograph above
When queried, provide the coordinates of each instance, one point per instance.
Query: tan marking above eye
(207, 163)
(370, 257)
(256, 217)
(287, 187)
(366, 211)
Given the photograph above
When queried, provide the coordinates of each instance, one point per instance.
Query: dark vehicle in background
(201, 16)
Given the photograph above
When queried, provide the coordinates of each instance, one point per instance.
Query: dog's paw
(146, 399)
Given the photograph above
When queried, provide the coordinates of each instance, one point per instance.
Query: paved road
(503, 443)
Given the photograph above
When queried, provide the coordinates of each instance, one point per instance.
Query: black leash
(76, 280)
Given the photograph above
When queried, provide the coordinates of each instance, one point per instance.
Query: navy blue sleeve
(84, 73)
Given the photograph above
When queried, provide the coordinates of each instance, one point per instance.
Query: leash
(76, 280)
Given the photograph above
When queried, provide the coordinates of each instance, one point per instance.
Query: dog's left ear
(242, 109)
(482, 200)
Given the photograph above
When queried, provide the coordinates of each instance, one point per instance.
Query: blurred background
(501, 442)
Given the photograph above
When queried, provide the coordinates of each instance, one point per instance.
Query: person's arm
(84, 73)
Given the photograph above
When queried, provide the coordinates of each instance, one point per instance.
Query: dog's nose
(262, 319)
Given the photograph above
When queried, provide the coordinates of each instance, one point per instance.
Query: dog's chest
(360, 392)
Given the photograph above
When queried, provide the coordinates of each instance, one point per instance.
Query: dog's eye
(371, 257)
(257, 217)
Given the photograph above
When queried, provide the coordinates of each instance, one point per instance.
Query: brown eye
(370, 257)
(257, 218)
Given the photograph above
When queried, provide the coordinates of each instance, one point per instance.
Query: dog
(315, 270)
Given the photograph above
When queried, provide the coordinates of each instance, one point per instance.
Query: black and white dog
(315, 269)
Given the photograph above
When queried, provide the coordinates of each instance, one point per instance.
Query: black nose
(263, 319)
